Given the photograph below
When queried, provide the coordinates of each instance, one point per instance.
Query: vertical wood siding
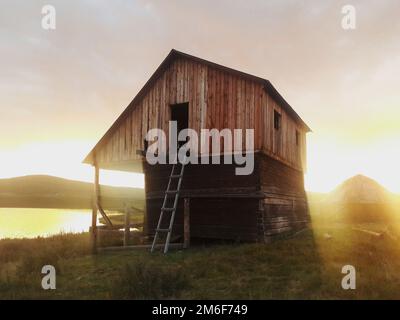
(217, 99)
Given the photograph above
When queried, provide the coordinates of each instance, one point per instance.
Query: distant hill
(41, 191)
(360, 189)
(359, 199)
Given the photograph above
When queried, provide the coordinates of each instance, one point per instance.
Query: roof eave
(271, 89)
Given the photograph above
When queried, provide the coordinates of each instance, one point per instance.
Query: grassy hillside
(305, 266)
(52, 192)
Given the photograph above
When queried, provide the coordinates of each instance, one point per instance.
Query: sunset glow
(195, 151)
(376, 160)
(62, 89)
(62, 159)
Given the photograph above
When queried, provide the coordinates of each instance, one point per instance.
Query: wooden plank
(128, 139)
(186, 77)
(258, 118)
(199, 97)
(211, 99)
(233, 104)
(238, 104)
(165, 104)
(216, 114)
(247, 115)
(173, 91)
(372, 233)
(181, 76)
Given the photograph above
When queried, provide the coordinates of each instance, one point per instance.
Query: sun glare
(62, 159)
(331, 161)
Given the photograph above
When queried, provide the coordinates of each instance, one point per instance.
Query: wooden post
(127, 226)
(94, 210)
(186, 223)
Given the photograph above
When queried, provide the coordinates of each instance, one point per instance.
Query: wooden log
(372, 233)
(103, 214)
(127, 227)
(186, 223)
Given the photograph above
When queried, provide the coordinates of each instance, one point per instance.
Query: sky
(61, 89)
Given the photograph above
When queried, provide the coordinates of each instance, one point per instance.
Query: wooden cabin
(223, 205)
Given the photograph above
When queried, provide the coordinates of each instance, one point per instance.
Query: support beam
(104, 215)
(127, 226)
(97, 196)
(186, 223)
(94, 211)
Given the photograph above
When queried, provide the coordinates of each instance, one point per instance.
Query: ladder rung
(167, 209)
(176, 176)
(171, 191)
(163, 230)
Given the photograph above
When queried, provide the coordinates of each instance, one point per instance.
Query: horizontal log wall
(266, 203)
(217, 99)
(202, 180)
(211, 218)
(285, 206)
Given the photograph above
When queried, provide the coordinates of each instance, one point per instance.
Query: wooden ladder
(172, 210)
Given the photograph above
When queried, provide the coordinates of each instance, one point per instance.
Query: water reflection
(30, 223)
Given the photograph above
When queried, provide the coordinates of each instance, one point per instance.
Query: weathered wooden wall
(202, 180)
(285, 206)
(268, 202)
(217, 99)
(222, 205)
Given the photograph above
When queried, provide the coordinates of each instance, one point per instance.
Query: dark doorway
(180, 114)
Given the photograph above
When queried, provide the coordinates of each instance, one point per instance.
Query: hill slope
(40, 191)
(359, 189)
(356, 200)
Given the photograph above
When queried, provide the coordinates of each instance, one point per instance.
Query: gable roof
(173, 55)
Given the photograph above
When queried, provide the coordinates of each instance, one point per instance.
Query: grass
(307, 266)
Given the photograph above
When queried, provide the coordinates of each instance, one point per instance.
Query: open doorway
(180, 114)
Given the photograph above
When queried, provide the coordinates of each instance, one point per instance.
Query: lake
(31, 223)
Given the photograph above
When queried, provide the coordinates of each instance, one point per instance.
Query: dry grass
(307, 266)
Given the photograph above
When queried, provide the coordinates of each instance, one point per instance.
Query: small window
(297, 138)
(277, 120)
